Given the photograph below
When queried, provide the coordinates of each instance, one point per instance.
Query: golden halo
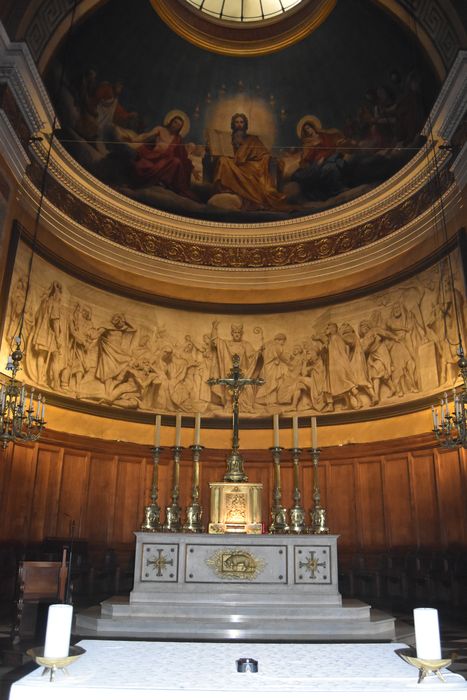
(184, 117)
(312, 120)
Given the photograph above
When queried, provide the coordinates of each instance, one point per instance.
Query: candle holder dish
(425, 666)
(50, 664)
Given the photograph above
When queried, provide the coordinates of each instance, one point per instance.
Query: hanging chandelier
(449, 426)
(21, 417)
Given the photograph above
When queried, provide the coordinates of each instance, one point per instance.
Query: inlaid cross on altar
(235, 383)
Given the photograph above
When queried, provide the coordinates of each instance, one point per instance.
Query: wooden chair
(39, 581)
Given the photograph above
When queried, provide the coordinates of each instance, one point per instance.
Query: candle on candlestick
(427, 640)
(178, 429)
(157, 431)
(276, 429)
(295, 431)
(197, 429)
(57, 635)
(314, 433)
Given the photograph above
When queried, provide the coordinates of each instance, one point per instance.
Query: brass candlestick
(426, 667)
(173, 521)
(51, 665)
(297, 512)
(317, 513)
(278, 512)
(194, 511)
(152, 512)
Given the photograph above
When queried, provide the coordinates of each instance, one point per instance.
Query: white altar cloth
(196, 671)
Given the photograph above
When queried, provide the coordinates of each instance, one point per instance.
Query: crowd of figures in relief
(382, 349)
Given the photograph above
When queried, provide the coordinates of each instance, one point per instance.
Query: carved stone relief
(379, 350)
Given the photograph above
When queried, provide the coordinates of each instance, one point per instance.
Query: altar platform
(172, 670)
(235, 586)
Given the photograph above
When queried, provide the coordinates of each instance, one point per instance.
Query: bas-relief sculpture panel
(379, 350)
(241, 139)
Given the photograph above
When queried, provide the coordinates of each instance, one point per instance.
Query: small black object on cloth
(244, 665)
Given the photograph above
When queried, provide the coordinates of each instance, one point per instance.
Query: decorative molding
(431, 15)
(459, 168)
(19, 72)
(244, 256)
(11, 149)
(450, 107)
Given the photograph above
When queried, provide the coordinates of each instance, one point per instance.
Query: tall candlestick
(157, 431)
(198, 429)
(427, 639)
(295, 431)
(178, 429)
(314, 433)
(276, 429)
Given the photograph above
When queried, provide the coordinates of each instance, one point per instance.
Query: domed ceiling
(241, 139)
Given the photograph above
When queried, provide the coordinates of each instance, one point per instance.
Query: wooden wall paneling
(186, 482)
(340, 505)
(100, 499)
(424, 499)
(73, 493)
(306, 470)
(452, 498)
(128, 512)
(46, 494)
(397, 501)
(371, 526)
(165, 480)
(260, 471)
(286, 481)
(5, 469)
(19, 493)
(212, 471)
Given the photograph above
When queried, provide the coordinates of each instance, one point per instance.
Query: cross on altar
(235, 383)
(160, 563)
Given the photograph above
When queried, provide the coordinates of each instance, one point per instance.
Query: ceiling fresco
(235, 140)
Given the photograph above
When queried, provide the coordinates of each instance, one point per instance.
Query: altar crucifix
(235, 383)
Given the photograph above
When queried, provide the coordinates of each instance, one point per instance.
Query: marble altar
(199, 586)
(172, 670)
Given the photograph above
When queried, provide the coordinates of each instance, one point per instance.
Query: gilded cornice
(249, 254)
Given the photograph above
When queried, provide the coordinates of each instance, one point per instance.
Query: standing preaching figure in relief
(222, 363)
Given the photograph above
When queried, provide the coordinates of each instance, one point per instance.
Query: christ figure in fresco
(247, 174)
(163, 157)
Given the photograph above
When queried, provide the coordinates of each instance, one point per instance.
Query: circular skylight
(244, 10)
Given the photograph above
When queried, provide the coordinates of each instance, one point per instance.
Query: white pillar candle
(198, 429)
(157, 431)
(275, 419)
(295, 431)
(314, 434)
(57, 635)
(178, 429)
(427, 638)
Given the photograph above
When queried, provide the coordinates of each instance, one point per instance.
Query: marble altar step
(354, 620)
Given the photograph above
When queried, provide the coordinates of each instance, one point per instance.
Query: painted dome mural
(232, 139)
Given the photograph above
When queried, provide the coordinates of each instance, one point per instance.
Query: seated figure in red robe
(163, 158)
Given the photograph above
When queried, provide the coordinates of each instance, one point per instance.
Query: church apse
(379, 350)
(229, 139)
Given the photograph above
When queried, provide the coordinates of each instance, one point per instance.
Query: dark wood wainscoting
(378, 496)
